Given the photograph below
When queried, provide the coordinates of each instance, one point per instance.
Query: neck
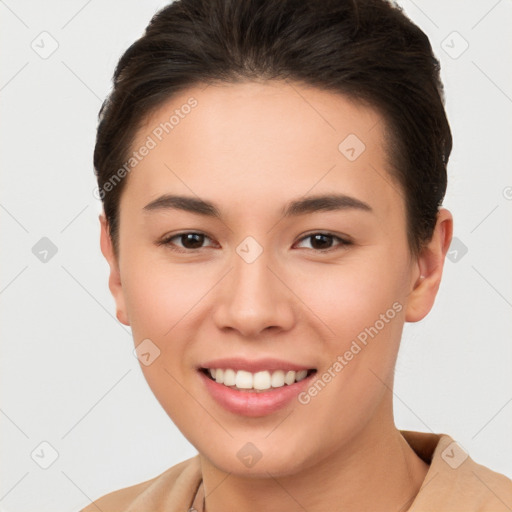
(377, 470)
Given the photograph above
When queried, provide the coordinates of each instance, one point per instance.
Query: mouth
(254, 387)
(256, 382)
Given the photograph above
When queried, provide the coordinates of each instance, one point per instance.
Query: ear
(114, 281)
(429, 269)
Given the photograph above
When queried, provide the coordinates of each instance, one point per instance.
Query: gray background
(68, 374)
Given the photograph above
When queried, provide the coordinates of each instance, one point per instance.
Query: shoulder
(455, 482)
(173, 490)
(485, 489)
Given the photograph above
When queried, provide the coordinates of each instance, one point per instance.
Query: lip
(254, 403)
(253, 366)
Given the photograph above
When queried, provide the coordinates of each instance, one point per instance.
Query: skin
(251, 148)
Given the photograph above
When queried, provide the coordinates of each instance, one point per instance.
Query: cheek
(351, 296)
(160, 301)
(363, 305)
(159, 295)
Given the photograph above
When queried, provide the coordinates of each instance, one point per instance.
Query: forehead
(260, 142)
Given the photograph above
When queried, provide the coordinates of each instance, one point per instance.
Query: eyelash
(167, 242)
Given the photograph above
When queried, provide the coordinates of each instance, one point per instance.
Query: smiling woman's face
(255, 289)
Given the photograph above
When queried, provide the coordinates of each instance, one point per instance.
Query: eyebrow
(311, 204)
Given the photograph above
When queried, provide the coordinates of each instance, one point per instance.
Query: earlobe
(114, 281)
(429, 269)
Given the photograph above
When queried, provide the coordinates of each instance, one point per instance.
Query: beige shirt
(454, 483)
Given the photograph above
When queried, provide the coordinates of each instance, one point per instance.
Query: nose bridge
(253, 299)
(251, 276)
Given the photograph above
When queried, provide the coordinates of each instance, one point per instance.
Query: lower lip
(254, 403)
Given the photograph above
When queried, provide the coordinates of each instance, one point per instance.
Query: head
(310, 141)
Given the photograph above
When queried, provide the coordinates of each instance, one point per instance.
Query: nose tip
(253, 300)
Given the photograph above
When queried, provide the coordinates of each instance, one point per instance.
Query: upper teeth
(259, 380)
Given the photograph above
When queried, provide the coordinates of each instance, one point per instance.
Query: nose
(253, 299)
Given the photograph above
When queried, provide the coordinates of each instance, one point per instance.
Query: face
(267, 282)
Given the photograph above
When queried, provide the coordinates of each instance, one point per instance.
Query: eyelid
(166, 241)
(342, 239)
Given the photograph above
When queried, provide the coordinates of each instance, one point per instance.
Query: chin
(247, 460)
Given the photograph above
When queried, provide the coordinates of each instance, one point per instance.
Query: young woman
(272, 174)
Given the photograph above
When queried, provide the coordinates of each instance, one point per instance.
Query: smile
(258, 381)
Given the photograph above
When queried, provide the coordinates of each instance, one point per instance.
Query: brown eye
(184, 242)
(323, 242)
(192, 240)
